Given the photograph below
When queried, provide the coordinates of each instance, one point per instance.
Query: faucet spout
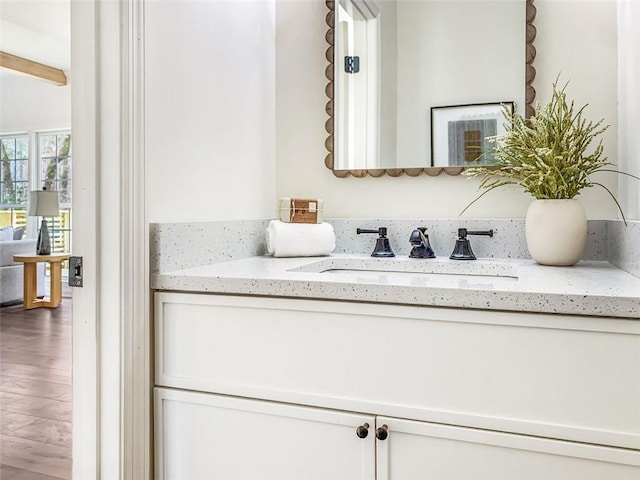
(419, 240)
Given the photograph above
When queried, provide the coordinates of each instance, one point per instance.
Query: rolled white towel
(300, 239)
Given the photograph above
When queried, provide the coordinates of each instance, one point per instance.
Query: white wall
(209, 109)
(29, 104)
(577, 38)
(629, 104)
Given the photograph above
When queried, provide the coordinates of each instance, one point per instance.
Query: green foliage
(548, 154)
(8, 187)
(56, 174)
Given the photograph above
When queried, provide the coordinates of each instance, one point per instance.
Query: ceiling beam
(34, 69)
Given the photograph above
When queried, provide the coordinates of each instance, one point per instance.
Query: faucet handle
(383, 247)
(463, 232)
(382, 231)
(462, 249)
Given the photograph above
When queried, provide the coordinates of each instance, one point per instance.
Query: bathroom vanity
(348, 367)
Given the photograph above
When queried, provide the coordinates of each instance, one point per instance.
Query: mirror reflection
(396, 60)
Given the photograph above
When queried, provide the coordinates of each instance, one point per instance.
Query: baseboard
(11, 303)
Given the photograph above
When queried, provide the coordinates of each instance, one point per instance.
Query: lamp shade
(43, 203)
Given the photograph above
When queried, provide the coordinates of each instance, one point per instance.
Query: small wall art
(460, 133)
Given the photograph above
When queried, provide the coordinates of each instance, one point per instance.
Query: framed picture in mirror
(460, 134)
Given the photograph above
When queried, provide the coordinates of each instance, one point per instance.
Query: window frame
(17, 212)
(65, 206)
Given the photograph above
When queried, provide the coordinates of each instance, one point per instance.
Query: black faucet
(419, 240)
(462, 250)
(383, 247)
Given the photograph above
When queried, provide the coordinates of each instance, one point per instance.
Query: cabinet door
(204, 436)
(419, 450)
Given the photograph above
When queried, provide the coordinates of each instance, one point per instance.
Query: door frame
(85, 335)
(111, 326)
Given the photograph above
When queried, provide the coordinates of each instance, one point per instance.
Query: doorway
(35, 344)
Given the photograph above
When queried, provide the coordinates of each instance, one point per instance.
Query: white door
(202, 436)
(419, 450)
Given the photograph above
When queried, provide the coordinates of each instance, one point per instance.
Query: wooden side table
(31, 261)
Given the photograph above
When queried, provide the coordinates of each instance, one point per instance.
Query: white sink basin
(403, 266)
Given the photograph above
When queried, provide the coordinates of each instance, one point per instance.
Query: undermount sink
(402, 266)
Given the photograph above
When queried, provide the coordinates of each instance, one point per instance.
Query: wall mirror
(401, 72)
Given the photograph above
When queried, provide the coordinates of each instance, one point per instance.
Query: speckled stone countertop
(589, 288)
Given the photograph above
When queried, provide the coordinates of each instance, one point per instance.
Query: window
(55, 174)
(48, 166)
(14, 179)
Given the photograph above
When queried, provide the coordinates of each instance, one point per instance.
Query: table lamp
(43, 203)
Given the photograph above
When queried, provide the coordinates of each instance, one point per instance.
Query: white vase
(556, 231)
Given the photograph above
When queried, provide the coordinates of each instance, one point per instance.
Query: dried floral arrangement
(547, 154)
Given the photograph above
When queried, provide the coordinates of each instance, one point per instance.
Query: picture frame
(460, 133)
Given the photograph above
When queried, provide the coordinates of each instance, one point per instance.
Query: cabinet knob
(382, 433)
(362, 431)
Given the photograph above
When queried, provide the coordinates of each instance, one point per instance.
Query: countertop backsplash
(176, 246)
(624, 245)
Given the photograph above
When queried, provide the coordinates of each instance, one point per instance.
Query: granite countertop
(589, 288)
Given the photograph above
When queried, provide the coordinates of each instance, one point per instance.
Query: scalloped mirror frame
(530, 95)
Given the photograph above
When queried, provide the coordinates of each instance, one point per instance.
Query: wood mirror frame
(530, 95)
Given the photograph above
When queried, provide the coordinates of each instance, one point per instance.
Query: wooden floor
(35, 393)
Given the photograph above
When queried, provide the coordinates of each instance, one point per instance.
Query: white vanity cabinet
(464, 394)
(204, 436)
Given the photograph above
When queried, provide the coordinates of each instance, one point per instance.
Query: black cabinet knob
(382, 433)
(362, 431)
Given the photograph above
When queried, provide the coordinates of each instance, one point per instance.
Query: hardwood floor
(35, 393)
